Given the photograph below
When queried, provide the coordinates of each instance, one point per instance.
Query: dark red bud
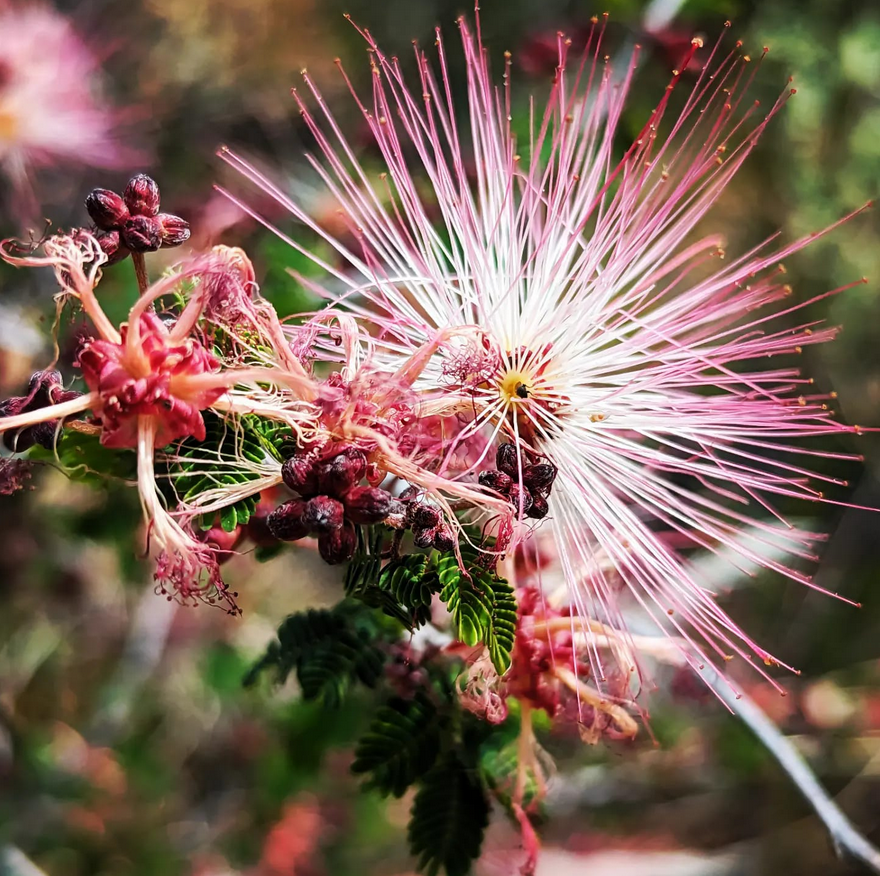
(339, 545)
(507, 460)
(175, 230)
(142, 234)
(421, 516)
(520, 494)
(496, 480)
(368, 504)
(111, 243)
(444, 539)
(287, 521)
(142, 195)
(43, 434)
(409, 494)
(424, 538)
(339, 474)
(106, 209)
(300, 474)
(540, 477)
(323, 514)
(539, 508)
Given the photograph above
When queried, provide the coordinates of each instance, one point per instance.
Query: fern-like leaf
(202, 465)
(482, 605)
(448, 818)
(401, 745)
(329, 652)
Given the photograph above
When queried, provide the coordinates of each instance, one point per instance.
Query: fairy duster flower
(553, 292)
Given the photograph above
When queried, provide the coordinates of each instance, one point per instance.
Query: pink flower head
(49, 113)
(156, 377)
(654, 375)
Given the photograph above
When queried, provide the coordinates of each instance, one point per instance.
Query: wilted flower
(48, 110)
(149, 381)
(563, 305)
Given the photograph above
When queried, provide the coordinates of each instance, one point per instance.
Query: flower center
(516, 386)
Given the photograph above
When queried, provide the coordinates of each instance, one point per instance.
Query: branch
(844, 835)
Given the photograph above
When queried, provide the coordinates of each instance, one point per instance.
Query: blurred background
(127, 743)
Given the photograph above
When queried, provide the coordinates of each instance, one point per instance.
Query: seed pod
(540, 477)
(507, 460)
(421, 516)
(142, 195)
(424, 537)
(300, 474)
(539, 507)
(287, 521)
(496, 480)
(339, 474)
(175, 230)
(520, 494)
(142, 234)
(339, 545)
(444, 539)
(368, 504)
(323, 514)
(106, 209)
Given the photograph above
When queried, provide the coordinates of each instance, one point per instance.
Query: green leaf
(401, 745)
(85, 459)
(205, 465)
(482, 605)
(448, 818)
(330, 651)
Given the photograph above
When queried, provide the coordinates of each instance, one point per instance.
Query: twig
(140, 271)
(844, 835)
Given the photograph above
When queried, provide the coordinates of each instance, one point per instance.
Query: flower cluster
(331, 501)
(565, 324)
(132, 223)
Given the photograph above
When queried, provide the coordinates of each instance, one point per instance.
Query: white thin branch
(846, 838)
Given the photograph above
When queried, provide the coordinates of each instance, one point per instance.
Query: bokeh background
(128, 746)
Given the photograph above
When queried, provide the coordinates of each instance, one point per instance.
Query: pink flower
(656, 376)
(49, 113)
(156, 377)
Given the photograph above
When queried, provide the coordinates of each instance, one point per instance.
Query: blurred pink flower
(51, 111)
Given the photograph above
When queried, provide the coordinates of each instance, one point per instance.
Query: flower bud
(444, 539)
(539, 507)
(519, 495)
(323, 514)
(496, 480)
(507, 460)
(175, 230)
(287, 521)
(142, 234)
(421, 516)
(106, 209)
(142, 195)
(111, 243)
(300, 474)
(540, 477)
(339, 545)
(424, 537)
(409, 494)
(368, 504)
(339, 474)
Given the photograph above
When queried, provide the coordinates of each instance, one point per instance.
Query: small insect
(522, 390)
